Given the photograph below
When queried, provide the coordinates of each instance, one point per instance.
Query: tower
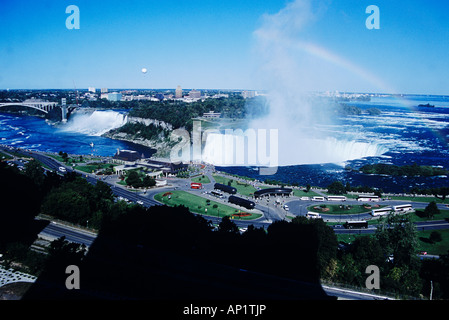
(64, 109)
(178, 92)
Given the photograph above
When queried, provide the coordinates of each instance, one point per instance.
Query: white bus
(313, 215)
(217, 194)
(318, 199)
(381, 212)
(336, 198)
(368, 198)
(402, 208)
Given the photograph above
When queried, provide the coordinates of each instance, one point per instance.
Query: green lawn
(242, 188)
(335, 209)
(201, 179)
(420, 199)
(436, 248)
(349, 196)
(302, 193)
(418, 215)
(89, 168)
(199, 204)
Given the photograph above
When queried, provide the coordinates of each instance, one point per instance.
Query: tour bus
(402, 208)
(313, 215)
(318, 199)
(336, 198)
(196, 185)
(381, 212)
(217, 194)
(368, 198)
(225, 188)
(242, 202)
(356, 224)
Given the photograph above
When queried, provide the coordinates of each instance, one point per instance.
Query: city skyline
(251, 45)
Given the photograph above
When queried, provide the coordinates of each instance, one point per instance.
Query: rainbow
(383, 87)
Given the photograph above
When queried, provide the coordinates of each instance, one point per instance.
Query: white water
(220, 150)
(95, 123)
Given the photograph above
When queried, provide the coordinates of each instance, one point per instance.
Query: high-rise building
(248, 94)
(114, 96)
(92, 89)
(178, 92)
(195, 94)
(104, 90)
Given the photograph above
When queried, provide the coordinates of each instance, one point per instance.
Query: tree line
(180, 114)
(412, 170)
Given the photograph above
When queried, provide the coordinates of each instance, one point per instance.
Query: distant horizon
(222, 89)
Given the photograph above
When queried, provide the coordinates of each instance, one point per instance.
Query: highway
(56, 230)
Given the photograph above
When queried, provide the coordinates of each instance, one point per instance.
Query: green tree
(35, 172)
(102, 191)
(133, 178)
(227, 226)
(326, 242)
(336, 187)
(348, 271)
(67, 204)
(367, 251)
(435, 236)
(148, 182)
(431, 210)
(399, 239)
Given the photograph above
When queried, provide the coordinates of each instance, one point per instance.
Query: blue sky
(214, 44)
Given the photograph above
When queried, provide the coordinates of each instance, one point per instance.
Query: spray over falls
(95, 123)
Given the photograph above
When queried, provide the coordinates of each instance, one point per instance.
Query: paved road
(77, 235)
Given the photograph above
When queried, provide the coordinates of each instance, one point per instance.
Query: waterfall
(219, 149)
(95, 123)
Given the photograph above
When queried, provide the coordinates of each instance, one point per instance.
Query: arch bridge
(43, 106)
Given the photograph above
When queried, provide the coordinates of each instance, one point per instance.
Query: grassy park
(341, 208)
(242, 188)
(419, 199)
(202, 205)
(201, 179)
(303, 193)
(90, 168)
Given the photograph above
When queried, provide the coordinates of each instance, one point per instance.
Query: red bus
(196, 185)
